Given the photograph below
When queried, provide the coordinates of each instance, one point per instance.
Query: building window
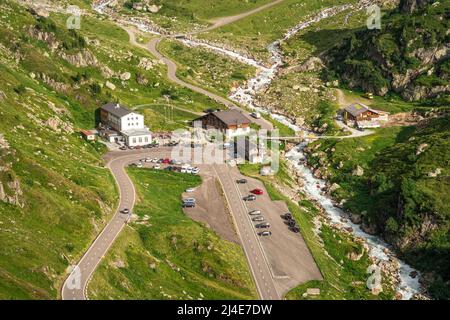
(140, 139)
(134, 140)
(146, 139)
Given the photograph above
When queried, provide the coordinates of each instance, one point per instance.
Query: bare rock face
(58, 125)
(83, 58)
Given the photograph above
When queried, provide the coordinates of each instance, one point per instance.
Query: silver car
(255, 212)
(258, 218)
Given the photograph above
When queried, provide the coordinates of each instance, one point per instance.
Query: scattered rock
(110, 85)
(355, 218)
(435, 173)
(421, 148)
(313, 291)
(358, 171)
(125, 76)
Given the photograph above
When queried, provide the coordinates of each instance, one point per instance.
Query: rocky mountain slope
(408, 56)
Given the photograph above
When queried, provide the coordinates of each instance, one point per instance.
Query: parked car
(183, 170)
(148, 160)
(125, 211)
(155, 160)
(166, 161)
(195, 170)
(123, 148)
(295, 229)
(263, 225)
(291, 223)
(190, 190)
(241, 181)
(189, 200)
(139, 165)
(257, 191)
(256, 115)
(258, 218)
(250, 197)
(265, 233)
(157, 166)
(188, 205)
(254, 212)
(287, 216)
(189, 170)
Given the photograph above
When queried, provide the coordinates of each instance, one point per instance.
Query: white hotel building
(129, 124)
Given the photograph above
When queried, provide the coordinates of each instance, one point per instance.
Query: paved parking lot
(288, 256)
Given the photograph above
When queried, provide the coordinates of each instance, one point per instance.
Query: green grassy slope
(166, 255)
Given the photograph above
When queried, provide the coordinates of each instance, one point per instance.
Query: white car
(157, 167)
(190, 190)
(183, 170)
(148, 160)
(195, 170)
(139, 165)
(189, 170)
(189, 200)
(256, 115)
(155, 160)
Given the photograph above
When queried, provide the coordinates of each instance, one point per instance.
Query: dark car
(291, 223)
(265, 233)
(287, 216)
(250, 197)
(241, 181)
(295, 229)
(123, 148)
(263, 225)
(188, 205)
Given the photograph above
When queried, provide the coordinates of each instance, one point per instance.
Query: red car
(166, 161)
(257, 191)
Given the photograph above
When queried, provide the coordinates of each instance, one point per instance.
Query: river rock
(356, 218)
(413, 274)
(368, 229)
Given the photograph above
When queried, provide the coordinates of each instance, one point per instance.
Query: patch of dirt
(211, 208)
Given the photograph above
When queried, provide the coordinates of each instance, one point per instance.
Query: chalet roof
(116, 109)
(231, 117)
(356, 109)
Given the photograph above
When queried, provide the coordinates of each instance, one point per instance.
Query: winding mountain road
(75, 286)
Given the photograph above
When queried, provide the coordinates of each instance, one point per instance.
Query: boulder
(125, 76)
(110, 85)
(358, 171)
(421, 148)
(355, 218)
